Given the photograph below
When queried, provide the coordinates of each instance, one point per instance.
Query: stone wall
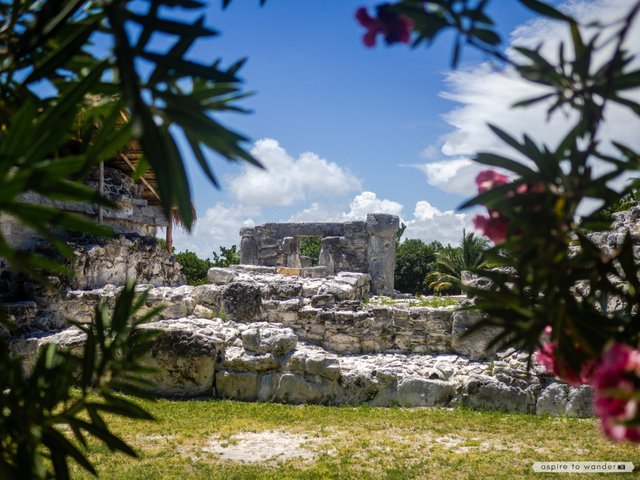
(96, 263)
(267, 362)
(254, 335)
(332, 313)
(359, 246)
(133, 216)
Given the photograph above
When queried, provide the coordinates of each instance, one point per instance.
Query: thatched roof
(127, 162)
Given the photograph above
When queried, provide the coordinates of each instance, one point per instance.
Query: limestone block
(475, 345)
(580, 401)
(486, 393)
(310, 288)
(553, 400)
(209, 296)
(184, 352)
(293, 272)
(446, 368)
(424, 392)
(283, 288)
(295, 389)
(203, 312)
(241, 301)
(221, 276)
(287, 311)
(340, 291)
(381, 251)
(267, 384)
(177, 308)
(241, 386)
(278, 341)
(313, 272)
(236, 358)
(324, 365)
(342, 343)
(324, 300)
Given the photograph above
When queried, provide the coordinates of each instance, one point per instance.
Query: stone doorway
(309, 248)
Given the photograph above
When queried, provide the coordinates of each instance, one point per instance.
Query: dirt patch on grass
(270, 446)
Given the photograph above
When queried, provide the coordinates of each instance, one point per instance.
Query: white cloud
(358, 209)
(368, 202)
(429, 223)
(452, 176)
(486, 96)
(219, 226)
(287, 180)
(430, 152)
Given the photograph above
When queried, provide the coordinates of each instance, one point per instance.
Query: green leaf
(487, 36)
(530, 101)
(59, 56)
(184, 68)
(110, 440)
(511, 165)
(546, 10)
(60, 446)
(182, 30)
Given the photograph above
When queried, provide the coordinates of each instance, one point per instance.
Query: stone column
(381, 251)
(248, 247)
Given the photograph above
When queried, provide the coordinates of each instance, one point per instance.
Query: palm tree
(451, 262)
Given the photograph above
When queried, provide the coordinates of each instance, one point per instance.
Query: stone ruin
(277, 330)
(252, 334)
(360, 246)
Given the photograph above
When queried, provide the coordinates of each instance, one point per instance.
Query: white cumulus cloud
(429, 223)
(426, 223)
(368, 202)
(486, 96)
(287, 180)
(219, 226)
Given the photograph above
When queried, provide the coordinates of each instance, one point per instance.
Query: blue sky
(345, 130)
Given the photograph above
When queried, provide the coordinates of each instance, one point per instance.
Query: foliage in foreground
(68, 104)
(42, 424)
(555, 280)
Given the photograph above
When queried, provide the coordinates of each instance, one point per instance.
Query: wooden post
(169, 233)
(101, 190)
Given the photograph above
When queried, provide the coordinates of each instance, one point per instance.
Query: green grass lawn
(220, 439)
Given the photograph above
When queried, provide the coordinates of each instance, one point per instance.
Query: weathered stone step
(266, 362)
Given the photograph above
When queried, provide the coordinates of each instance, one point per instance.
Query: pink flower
(488, 179)
(545, 355)
(395, 28)
(617, 374)
(494, 226)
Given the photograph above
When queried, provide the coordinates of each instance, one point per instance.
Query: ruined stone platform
(255, 335)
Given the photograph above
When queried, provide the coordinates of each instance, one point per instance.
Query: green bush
(414, 261)
(194, 268)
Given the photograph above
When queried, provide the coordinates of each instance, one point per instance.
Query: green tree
(311, 247)
(194, 268)
(414, 260)
(450, 262)
(227, 257)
